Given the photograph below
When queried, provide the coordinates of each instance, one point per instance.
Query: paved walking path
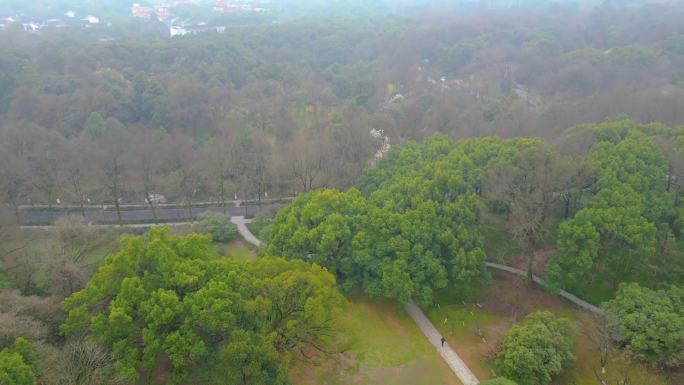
(452, 359)
(569, 296)
(241, 223)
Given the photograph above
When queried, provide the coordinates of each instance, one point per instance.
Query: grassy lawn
(599, 285)
(475, 327)
(258, 225)
(387, 348)
(595, 290)
(237, 250)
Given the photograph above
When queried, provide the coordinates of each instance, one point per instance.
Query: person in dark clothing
(443, 340)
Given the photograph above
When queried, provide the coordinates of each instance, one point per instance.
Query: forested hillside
(385, 189)
(293, 105)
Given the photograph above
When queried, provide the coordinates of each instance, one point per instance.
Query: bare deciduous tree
(147, 167)
(306, 158)
(112, 162)
(84, 362)
(527, 190)
(220, 157)
(76, 171)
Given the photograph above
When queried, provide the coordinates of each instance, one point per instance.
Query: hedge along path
(243, 230)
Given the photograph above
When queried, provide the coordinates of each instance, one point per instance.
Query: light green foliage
(588, 54)
(14, 371)
(18, 364)
(163, 295)
(97, 126)
(630, 56)
(532, 353)
(218, 225)
(498, 381)
(260, 227)
(649, 322)
(27, 351)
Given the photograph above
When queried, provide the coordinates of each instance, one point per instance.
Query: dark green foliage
(498, 381)
(218, 225)
(649, 322)
(414, 231)
(538, 349)
(628, 224)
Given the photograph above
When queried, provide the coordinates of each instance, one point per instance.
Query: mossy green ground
(237, 250)
(474, 325)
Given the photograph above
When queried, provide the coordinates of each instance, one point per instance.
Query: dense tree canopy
(168, 296)
(533, 352)
(293, 103)
(632, 217)
(18, 363)
(417, 226)
(498, 381)
(649, 322)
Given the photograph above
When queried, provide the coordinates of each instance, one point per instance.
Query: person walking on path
(443, 340)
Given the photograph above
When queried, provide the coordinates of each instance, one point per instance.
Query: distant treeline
(286, 108)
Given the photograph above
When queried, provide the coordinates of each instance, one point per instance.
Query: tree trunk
(530, 261)
(259, 187)
(222, 196)
(15, 206)
(81, 204)
(188, 205)
(118, 211)
(152, 208)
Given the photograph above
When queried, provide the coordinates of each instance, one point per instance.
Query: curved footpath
(243, 230)
(464, 374)
(450, 357)
(569, 296)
